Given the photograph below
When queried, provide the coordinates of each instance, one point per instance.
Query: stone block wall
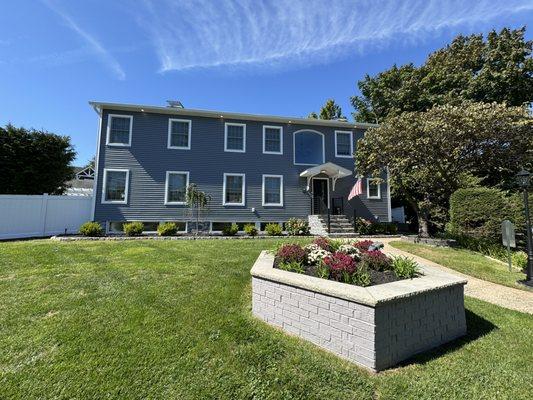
(375, 337)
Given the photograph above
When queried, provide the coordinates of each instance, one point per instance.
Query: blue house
(256, 168)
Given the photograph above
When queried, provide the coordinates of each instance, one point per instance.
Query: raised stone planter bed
(376, 326)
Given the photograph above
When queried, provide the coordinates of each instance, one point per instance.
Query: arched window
(308, 147)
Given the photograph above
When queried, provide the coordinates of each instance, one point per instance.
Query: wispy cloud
(206, 33)
(93, 44)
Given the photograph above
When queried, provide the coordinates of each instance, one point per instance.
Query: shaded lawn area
(164, 320)
(465, 261)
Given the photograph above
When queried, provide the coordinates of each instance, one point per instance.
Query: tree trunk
(423, 224)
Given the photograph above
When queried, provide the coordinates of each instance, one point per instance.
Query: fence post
(44, 208)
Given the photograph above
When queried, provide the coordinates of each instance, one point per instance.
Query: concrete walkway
(514, 299)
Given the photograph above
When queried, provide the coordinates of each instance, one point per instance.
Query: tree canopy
(496, 69)
(34, 161)
(330, 110)
(432, 154)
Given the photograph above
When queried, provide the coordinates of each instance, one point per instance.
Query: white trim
(351, 144)
(280, 204)
(95, 183)
(169, 141)
(368, 189)
(243, 202)
(280, 129)
(226, 137)
(188, 112)
(108, 133)
(126, 189)
(313, 192)
(294, 146)
(175, 203)
(389, 208)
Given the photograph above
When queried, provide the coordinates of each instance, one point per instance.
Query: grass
(466, 261)
(164, 320)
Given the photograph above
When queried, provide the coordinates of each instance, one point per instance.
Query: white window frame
(108, 130)
(169, 140)
(280, 129)
(368, 180)
(280, 204)
(294, 146)
(243, 202)
(175, 203)
(351, 144)
(126, 189)
(226, 137)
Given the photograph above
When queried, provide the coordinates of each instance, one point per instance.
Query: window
(233, 190)
(308, 147)
(343, 144)
(373, 188)
(272, 139)
(179, 134)
(116, 182)
(235, 137)
(176, 187)
(119, 130)
(272, 190)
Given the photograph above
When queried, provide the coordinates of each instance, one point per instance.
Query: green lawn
(465, 261)
(172, 320)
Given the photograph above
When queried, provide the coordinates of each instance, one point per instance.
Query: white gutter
(228, 115)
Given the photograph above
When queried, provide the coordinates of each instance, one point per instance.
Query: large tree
(496, 69)
(330, 110)
(432, 154)
(33, 161)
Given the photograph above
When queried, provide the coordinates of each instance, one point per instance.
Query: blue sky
(265, 57)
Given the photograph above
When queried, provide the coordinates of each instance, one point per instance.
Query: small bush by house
(133, 228)
(367, 227)
(250, 229)
(167, 229)
(91, 229)
(230, 230)
(273, 230)
(297, 227)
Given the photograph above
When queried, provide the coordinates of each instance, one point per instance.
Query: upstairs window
(272, 190)
(343, 144)
(176, 187)
(235, 137)
(233, 190)
(308, 147)
(272, 139)
(119, 130)
(115, 188)
(179, 134)
(373, 188)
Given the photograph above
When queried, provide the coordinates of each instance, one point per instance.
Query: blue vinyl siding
(148, 160)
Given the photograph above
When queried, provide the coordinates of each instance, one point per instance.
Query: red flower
(339, 263)
(291, 252)
(363, 245)
(323, 243)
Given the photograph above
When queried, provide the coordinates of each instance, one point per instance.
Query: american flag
(357, 189)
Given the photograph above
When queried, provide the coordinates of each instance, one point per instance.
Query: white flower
(349, 249)
(317, 255)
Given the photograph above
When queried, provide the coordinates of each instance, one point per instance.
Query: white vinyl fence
(42, 215)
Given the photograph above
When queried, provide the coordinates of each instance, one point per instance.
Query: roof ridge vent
(174, 104)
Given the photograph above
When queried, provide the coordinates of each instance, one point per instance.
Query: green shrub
(167, 229)
(361, 277)
(91, 229)
(297, 227)
(293, 266)
(519, 259)
(230, 230)
(250, 229)
(478, 213)
(404, 267)
(133, 228)
(273, 230)
(322, 271)
(367, 227)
